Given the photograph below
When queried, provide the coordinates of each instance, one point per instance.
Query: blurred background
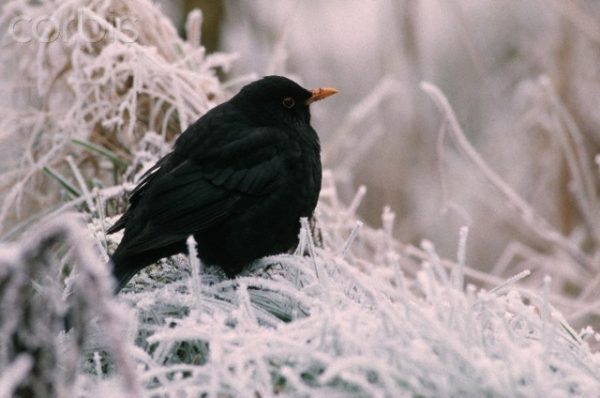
(502, 66)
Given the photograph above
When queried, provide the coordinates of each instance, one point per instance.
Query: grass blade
(62, 181)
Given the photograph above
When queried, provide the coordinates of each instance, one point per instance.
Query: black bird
(238, 180)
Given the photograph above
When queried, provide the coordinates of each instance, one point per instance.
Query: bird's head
(278, 99)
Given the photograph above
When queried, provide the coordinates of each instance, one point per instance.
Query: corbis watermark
(88, 26)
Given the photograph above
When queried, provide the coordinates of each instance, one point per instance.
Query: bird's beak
(320, 93)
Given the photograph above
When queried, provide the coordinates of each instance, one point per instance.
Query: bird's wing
(198, 193)
(146, 178)
(137, 193)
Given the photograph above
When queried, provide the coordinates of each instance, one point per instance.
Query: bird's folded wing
(197, 194)
(146, 178)
(251, 165)
(135, 195)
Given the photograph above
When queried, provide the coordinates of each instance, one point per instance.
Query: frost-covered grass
(330, 322)
(90, 83)
(353, 312)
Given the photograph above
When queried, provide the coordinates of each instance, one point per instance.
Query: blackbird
(238, 179)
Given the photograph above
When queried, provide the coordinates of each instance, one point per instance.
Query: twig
(351, 238)
(534, 221)
(87, 195)
(571, 138)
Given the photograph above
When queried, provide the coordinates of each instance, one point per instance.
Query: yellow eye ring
(288, 102)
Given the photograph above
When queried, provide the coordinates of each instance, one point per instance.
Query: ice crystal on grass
(334, 322)
(327, 321)
(297, 325)
(99, 76)
(33, 360)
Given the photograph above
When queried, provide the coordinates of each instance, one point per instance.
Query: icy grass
(85, 87)
(326, 321)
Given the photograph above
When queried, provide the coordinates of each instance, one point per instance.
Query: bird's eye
(289, 102)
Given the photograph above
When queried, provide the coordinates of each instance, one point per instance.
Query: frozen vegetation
(353, 312)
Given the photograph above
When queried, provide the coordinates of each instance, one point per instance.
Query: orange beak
(320, 93)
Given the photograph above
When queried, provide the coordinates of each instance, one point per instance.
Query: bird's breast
(304, 182)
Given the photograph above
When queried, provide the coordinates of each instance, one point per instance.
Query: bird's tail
(124, 268)
(123, 275)
(125, 265)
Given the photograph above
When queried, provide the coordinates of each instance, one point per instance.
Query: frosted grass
(282, 328)
(90, 84)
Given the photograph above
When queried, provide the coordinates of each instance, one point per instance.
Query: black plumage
(238, 180)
